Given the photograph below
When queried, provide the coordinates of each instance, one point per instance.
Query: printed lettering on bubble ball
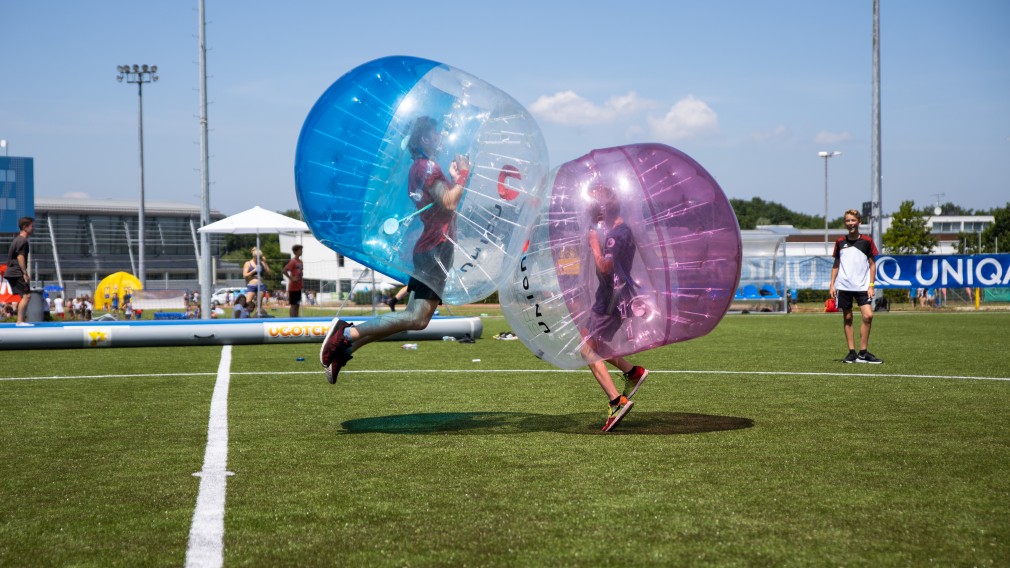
(634, 247)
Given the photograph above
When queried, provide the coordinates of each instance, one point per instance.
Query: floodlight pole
(876, 180)
(827, 156)
(139, 74)
(206, 267)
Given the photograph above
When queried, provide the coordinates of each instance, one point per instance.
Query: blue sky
(752, 90)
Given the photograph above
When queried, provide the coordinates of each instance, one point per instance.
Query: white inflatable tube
(76, 335)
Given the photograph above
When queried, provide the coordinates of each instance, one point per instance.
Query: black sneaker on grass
(867, 357)
(850, 358)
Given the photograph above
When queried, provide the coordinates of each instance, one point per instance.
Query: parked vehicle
(220, 296)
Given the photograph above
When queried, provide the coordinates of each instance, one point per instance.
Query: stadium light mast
(139, 74)
(876, 178)
(827, 156)
(3, 144)
(206, 266)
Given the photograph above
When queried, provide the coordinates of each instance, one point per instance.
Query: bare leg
(864, 328)
(415, 316)
(602, 376)
(22, 306)
(620, 363)
(847, 328)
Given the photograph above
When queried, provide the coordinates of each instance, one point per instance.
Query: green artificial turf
(751, 446)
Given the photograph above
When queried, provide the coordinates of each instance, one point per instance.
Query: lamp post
(826, 156)
(139, 74)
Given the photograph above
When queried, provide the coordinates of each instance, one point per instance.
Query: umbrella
(255, 221)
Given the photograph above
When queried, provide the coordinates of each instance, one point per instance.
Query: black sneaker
(850, 358)
(867, 357)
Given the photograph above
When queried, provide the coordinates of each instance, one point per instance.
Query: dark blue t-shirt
(620, 247)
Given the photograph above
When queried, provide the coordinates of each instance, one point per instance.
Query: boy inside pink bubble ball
(613, 250)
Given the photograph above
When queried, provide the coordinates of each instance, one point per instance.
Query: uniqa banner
(912, 271)
(952, 271)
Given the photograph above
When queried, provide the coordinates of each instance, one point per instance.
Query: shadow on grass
(652, 423)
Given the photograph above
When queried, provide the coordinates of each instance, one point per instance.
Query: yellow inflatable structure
(116, 285)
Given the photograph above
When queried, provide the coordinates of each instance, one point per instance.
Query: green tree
(909, 232)
(995, 238)
(951, 209)
(757, 211)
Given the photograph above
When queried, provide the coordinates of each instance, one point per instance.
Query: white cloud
(825, 137)
(687, 118)
(570, 109)
(76, 195)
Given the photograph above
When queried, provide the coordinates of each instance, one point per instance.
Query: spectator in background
(58, 309)
(397, 299)
(240, 310)
(252, 270)
(17, 267)
(293, 270)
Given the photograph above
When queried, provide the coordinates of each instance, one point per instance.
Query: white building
(336, 274)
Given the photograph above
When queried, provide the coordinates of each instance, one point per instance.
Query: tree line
(909, 232)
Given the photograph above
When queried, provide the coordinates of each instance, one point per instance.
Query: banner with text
(951, 271)
(906, 271)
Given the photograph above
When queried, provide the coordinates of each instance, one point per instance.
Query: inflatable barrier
(78, 335)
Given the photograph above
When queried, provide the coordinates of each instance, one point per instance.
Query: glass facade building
(77, 242)
(17, 191)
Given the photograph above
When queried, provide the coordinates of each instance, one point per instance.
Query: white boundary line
(206, 534)
(523, 371)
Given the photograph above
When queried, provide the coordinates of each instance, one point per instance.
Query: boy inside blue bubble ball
(436, 198)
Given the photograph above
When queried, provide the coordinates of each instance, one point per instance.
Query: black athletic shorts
(845, 298)
(18, 285)
(434, 263)
(295, 297)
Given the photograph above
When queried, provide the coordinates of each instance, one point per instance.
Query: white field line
(848, 375)
(206, 534)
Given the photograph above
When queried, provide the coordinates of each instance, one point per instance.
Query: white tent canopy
(255, 221)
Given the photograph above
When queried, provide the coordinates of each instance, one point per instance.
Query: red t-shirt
(438, 222)
(294, 266)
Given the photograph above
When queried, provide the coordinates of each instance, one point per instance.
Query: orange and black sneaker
(617, 410)
(336, 350)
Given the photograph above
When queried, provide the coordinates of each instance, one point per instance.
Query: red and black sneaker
(634, 379)
(336, 350)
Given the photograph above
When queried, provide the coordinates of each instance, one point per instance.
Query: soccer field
(751, 446)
